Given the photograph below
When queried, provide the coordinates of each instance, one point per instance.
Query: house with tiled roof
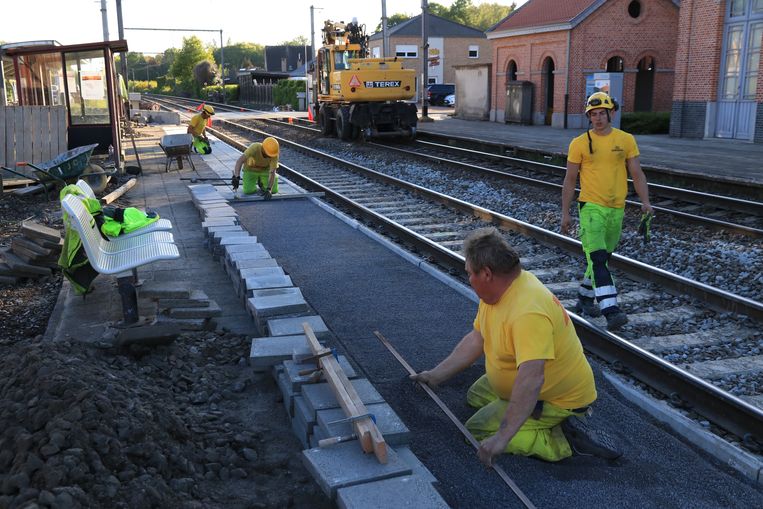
(558, 45)
(450, 44)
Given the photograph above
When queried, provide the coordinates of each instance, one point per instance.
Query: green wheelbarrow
(66, 168)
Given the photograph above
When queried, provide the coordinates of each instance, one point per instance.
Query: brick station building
(718, 90)
(555, 45)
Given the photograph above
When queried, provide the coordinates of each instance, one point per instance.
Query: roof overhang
(530, 30)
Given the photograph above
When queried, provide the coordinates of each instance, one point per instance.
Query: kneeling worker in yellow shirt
(260, 163)
(537, 383)
(197, 127)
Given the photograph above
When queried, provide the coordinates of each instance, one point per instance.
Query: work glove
(235, 181)
(268, 195)
(645, 226)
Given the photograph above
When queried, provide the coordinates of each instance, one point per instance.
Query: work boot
(587, 306)
(616, 319)
(586, 441)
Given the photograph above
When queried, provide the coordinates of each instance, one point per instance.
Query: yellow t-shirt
(603, 174)
(257, 161)
(529, 323)
(197, 124)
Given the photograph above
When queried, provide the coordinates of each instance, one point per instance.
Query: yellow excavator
(358, 96)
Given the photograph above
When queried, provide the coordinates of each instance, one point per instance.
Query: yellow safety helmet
(209, 110)
(270, 147)
(600, 100)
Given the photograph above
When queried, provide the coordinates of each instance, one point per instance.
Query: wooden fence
(31, 133)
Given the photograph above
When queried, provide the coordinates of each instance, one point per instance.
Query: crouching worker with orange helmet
(259, 162)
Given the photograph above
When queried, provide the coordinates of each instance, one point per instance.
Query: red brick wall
(529, 52)
(609, 31)
(698, 56)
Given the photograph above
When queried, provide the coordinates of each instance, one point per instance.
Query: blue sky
(79, 21)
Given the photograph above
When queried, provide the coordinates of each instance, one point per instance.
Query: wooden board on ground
(369, 436)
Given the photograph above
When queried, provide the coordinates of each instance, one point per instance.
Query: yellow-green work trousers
(537, 437)
(258, 179)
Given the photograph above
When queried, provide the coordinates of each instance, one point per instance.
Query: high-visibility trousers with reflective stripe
(257, 179)
(536, 437)
(600, 230)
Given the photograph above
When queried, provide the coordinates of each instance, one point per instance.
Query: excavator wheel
(343, 125)
(324, 121)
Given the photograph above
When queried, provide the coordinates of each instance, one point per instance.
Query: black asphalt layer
(359, 286)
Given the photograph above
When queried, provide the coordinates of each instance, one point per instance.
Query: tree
(192, 52)
(484, 16)
(300, 40)
(393, 20)
(242, 55)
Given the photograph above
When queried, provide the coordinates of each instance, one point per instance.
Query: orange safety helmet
(270, 147)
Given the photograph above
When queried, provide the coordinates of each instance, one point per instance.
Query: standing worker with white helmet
(603, 156)
(197, 127)
(259, 162)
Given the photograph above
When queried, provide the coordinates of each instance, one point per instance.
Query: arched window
(615, 64)
(644, 85)
(511, 72)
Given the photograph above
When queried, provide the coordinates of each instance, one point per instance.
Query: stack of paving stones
(177, 303)
(32, 254)
(346, 475)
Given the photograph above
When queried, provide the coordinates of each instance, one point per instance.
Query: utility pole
(312, 50)
(385, 35)
(425, 60)
(222, 64)
(105, 20)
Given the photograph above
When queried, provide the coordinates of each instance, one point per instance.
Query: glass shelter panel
(11, 87)
(87, 87)
(41, 79)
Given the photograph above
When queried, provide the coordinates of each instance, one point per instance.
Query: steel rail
(692, 218)
(726, 410)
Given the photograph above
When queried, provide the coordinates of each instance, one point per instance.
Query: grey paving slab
(419, 469)
(272, 302)
(292, 370)
(266, 281)
(256, 263)
(261, 271)
(253, 254)
(409, 491)
(390, 425)
(233, 249)
(343, 465)
(228, 228)
(288, 326)
(266, 351)
(321, 397)
(287, 394)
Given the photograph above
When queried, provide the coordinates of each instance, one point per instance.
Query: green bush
(212, 93)
(285, 92)
(143, 86)
(646, 122)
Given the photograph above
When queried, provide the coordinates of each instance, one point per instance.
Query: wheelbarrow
(66, 168)
(177, 146)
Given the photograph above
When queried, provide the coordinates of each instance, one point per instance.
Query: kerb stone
(321, 397)
(406, 491)
(393, 429)
(265, 352)
(344, 465)
(289, 326)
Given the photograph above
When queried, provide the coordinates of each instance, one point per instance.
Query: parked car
(450, 100)
(437, 92)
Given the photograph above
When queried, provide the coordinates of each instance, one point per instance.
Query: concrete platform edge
(745, 463)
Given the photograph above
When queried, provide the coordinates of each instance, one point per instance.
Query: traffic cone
(199, 107)
(291, 120)
(310, 112)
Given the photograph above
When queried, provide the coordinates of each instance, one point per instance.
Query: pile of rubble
(33, 253)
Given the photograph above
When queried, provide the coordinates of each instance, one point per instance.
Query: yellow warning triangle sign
(354, 81)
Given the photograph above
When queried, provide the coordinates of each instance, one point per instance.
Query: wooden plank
(118, 192)
(58, 136)
(10, 129)
(43, 136)
(371, 440)
(26, 133)
(3, 160)
(34, 133)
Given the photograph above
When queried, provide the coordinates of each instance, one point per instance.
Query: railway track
(695, 343)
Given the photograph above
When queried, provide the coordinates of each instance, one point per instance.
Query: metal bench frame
(122, 258)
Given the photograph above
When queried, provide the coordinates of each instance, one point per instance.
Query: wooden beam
(118, 192)
(369, 436)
